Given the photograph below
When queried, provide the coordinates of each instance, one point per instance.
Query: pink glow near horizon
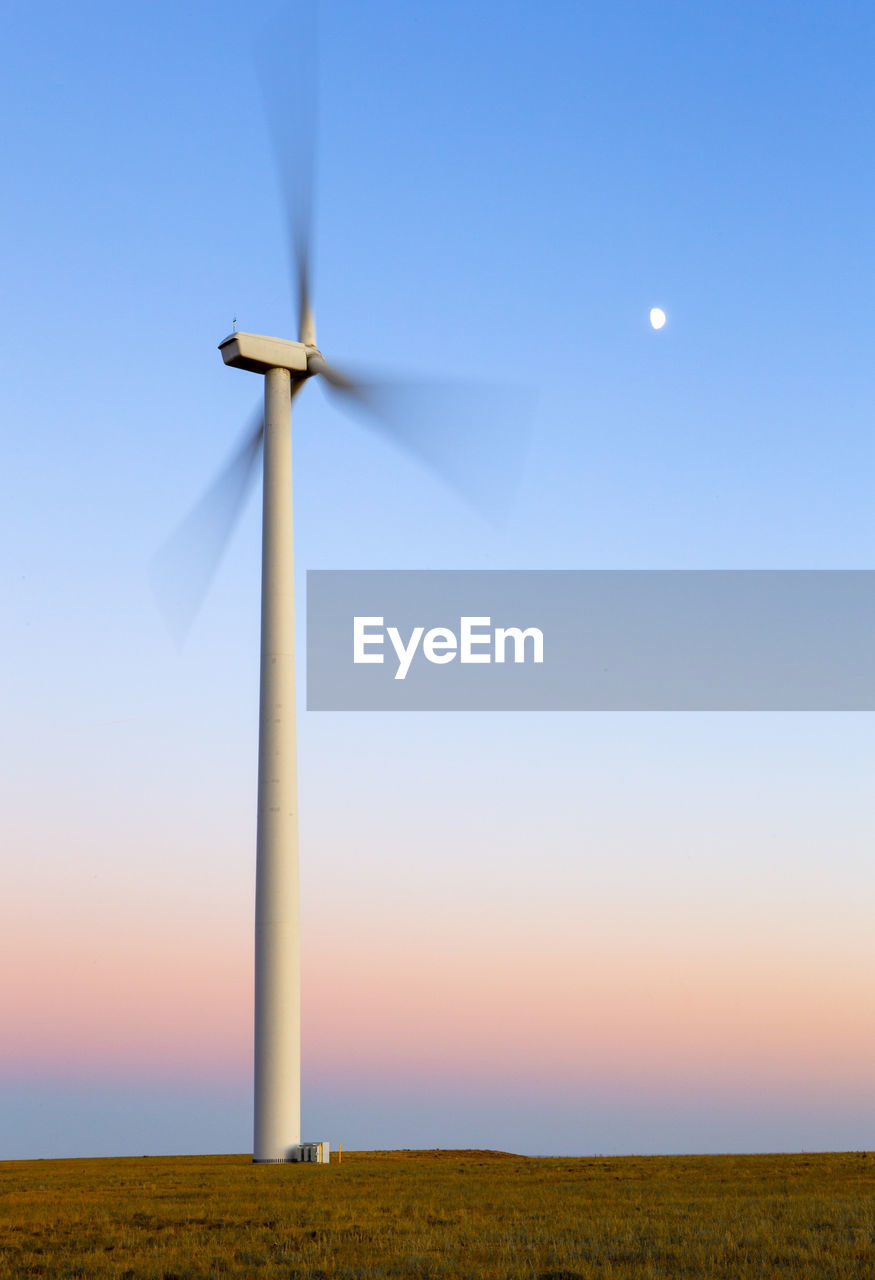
(611, 1010)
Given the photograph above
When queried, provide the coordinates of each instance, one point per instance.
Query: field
(441, 1214)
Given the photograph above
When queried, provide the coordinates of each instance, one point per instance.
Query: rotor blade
(291, 110)
(474, 437)
(184, 567)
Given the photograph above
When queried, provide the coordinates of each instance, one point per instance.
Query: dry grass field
(441, 1214)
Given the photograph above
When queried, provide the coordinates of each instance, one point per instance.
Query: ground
(441, 1214)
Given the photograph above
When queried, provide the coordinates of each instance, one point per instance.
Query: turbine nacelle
(256, 353)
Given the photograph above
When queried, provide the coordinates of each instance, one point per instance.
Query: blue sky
(503, 192)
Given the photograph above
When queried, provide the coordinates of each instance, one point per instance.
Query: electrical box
(312, 1153)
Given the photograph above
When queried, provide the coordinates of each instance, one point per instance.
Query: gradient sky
(544, 933)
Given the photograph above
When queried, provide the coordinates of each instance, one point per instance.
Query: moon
(657, 317)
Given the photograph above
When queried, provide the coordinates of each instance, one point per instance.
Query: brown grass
(441, 1214)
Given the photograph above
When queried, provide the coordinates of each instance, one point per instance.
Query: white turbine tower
(450, 440)
(286, 366)
(277, 1131)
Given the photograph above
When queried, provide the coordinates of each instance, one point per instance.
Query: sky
(541, 932)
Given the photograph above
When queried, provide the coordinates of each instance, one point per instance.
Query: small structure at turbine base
(315, 1152)
(303, 1153)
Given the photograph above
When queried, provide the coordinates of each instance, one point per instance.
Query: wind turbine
(286, 366)
(444, 442)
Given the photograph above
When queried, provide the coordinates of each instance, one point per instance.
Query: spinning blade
(185, 566)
